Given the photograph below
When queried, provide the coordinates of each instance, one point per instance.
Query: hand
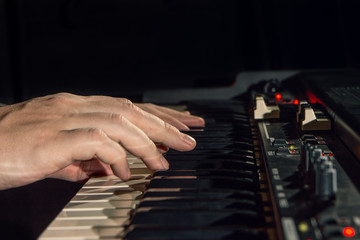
(72, 137)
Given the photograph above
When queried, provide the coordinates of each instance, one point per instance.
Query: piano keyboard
(217, 191)
(102, 206)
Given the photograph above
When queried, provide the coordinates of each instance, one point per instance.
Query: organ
(253, 175)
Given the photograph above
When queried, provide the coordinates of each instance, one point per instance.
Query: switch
(302, 104)
(293, 151)
(312, 153)
(308, 154)
(279, 142)
(310, 122)
(262, 111)
(332, 231)
(325, 178)
(328, 218)
(337, 231)
(310, 119)
(315, 141)
(307, 136)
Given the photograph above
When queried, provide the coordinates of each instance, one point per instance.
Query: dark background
(122, 47)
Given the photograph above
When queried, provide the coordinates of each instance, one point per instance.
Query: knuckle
(125, 101)
(131, 106)
(128, 104)
(170, 128)
(134, 111)
(60, 99)
(122, 154)
(149, 105)
(64, 94)
(97, 135)
(169, 131)
(119, 119)
(150, 149)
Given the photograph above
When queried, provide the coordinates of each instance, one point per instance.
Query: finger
(186, 118)
(121, 130)
(82, 170)
(173, 121)
(92, 167)
(157, 130)
(87, 143)
(166, 117)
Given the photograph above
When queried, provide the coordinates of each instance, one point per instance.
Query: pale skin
(73, 137)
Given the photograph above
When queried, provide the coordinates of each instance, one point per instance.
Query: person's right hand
(71, 137)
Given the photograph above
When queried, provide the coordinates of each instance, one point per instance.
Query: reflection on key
(112, 204)
(64, 224)
(93, 214)
(82, 234)
(128, 196)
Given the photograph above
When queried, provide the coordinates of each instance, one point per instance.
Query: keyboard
(216, 191)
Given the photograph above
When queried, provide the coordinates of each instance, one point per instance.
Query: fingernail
(128, 173)
(189, 140)
(164, 162)
(202, 121)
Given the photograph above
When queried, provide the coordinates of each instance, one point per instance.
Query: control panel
(308, 167)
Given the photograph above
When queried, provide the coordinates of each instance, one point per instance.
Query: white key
(82, 234)
(115, 184)
(85, 223)
(94, 214)
(126, 196)
(86, 206)
(102, 206)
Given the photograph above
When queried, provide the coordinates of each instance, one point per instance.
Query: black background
(123, 47)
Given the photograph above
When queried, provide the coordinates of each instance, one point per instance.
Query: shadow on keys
(26, 211)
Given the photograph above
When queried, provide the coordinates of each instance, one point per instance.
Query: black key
(205, 184)
(215, 157)
(196, 218)
(200, 204)
(243, 233)
(207, 173)
(204, 194)
(203, 152)
(212, 134)
(225, 139)
(231, 146)
(213, 164)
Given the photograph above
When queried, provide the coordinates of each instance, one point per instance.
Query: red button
(349, 232)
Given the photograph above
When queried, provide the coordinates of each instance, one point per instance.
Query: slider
(311, 119)
(262, 111)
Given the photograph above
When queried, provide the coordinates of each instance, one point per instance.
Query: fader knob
(308, 154)
(325, 179)
(311, 155)
(306, 150)
(315, 155)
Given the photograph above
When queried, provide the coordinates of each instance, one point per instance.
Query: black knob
(325, 179)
